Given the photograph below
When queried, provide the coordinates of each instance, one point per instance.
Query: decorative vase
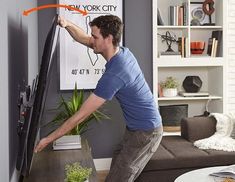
(170, 92)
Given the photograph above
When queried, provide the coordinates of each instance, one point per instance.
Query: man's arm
(76, 32)
(89, 106)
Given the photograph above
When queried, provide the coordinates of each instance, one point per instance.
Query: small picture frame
(197, 16)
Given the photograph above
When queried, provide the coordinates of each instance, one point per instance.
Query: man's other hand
(41, 145)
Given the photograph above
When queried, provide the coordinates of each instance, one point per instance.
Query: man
(124, 80)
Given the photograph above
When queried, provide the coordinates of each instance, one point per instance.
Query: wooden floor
(102, 175)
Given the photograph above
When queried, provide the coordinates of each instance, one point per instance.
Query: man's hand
(41, 145)
(76, 32)
(62, 22)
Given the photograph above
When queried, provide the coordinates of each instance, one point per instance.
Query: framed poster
(198, 16)
(79, 63)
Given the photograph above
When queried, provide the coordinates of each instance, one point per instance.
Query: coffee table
(201, 175)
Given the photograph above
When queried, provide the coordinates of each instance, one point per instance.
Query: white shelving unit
(211, 70)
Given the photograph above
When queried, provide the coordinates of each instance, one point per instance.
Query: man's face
(100, 44)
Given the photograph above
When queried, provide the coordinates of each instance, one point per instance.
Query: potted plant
(66, 110)
(76, 173)
(169, 87)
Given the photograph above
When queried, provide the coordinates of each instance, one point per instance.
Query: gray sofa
(177, 155)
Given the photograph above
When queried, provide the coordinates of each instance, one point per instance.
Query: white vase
(170, 92)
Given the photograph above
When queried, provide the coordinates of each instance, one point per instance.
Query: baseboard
(102, 164)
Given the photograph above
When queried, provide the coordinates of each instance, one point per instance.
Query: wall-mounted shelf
(189, 98)
(173, 27)
(206, 27)
(189, 62)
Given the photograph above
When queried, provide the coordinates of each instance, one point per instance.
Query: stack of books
(170, 54)
(195, 94)
(178, 15)
(214, 44)
(67, 142)
(183, 46)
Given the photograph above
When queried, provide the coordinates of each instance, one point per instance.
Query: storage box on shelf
(210, 66)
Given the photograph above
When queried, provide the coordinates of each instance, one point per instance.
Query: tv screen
(34, 107)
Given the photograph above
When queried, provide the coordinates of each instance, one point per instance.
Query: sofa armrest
(196, 128)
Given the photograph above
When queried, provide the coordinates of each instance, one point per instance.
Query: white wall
(19, 61)
(4, 157)
(231, 56)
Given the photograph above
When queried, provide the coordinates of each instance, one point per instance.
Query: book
(181, 16)
(213, 47)
(183, 47)
(72, 139)
(218, 35)
(180, 44)
(186, 47)
(160, 93)
(228, 172)
(170, 54)
(159, 18)
(176, 15)
(196, 94)
(185, 7)
(66, 147)
(67, 142)
(171, 15)
(209, 48)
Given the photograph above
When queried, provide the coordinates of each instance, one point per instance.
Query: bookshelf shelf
(211, 69)
(172, 27)
(171, 133)
(206, 27)
(189, 62)
(189, 98)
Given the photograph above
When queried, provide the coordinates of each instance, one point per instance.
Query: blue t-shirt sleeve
(108, 86)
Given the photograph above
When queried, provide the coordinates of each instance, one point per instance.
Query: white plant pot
(170, 92)
(67, 142)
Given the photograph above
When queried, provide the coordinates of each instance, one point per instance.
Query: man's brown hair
(109, 24)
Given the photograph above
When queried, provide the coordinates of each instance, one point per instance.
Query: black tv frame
(31, 104)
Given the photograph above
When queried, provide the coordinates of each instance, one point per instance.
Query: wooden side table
(49, 165)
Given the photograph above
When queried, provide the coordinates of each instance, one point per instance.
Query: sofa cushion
(196, 128)
(175, 152)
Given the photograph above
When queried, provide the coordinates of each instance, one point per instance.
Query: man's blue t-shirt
(124, 79)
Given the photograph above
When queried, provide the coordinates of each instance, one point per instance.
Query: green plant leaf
(68, 108)
(75, 98)
(80, 99)
(76, 173)
(101, 115)
(170, 82)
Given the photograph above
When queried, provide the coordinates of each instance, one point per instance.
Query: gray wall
(104, 136)
(19, 64)
(4, 140)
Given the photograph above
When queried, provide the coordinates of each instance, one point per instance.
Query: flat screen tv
(30, 124)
